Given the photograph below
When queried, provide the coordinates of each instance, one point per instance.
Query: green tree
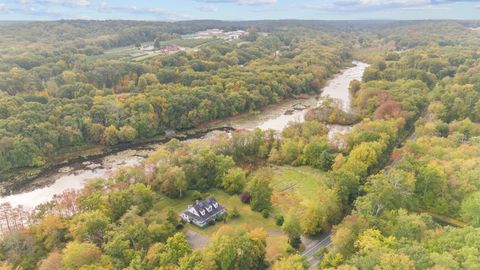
(236, 250)
(292, 227)
(127, 134)
(111, 135)
(387, 191)
(174, 182)
(292, 262)
(77, 254)
(234, 181)
(471, 209)
(321, 212)
(90, 226)
(260, 190)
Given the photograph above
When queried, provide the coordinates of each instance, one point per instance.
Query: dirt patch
(196, 240)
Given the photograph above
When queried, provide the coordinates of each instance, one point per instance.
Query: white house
(200, 213)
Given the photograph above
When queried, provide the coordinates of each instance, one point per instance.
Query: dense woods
(399, 191)
(57, 100)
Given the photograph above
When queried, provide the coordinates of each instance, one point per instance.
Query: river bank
(17, 181)
(18, 184)
(74, 173)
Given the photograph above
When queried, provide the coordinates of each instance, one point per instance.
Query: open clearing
(290, 185)
(131, 53)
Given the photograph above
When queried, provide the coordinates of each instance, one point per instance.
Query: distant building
(147, 48)
(171, 49)
(218, 33)
(236, 34)
(200, 213)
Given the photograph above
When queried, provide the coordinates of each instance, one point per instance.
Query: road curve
(313, 248)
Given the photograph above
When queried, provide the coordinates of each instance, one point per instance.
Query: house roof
(203, 208)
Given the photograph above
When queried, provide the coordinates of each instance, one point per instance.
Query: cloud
(372, 5)
(68, 3)
(158, 13)
(31, 11)
(207, 8)
(240, 2)
(56, 9)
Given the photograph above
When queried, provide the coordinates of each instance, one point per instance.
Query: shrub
(220, 218)
(197, 195)
(245, 197)
(211, 222)
(265, 213)
(295, 242)
(234, 213)
(289, 249)
(279, 220)
(179, 226)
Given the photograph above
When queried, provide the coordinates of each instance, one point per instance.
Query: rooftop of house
(203, 210)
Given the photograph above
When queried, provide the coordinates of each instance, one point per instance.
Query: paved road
(313, 247)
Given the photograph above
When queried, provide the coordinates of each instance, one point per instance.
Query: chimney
(196, 202)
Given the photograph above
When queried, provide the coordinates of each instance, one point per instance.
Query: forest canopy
(398, 190)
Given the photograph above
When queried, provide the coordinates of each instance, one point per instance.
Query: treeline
(80, 101)
(432, 174)
(380, 188)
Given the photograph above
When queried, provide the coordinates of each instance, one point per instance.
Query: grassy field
(190, 43)
(290, 185)
(131, 53)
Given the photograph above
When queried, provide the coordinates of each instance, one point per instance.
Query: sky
(174, 10)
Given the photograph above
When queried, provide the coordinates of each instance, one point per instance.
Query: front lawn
(247, 218)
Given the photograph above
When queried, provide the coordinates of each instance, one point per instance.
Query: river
(275, 117)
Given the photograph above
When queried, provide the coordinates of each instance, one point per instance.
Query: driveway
(196, 240)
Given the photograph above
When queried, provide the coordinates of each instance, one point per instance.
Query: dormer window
(209, 208)
(215, 204)
(202, 212)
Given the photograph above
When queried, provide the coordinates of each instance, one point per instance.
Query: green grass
(189, 43)
(292, 185)
(247, 218)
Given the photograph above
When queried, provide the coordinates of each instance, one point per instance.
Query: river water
(275, 117)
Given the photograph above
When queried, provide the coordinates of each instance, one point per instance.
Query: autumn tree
(234, 181)
(292, 262)
(260, 190)
(321, 212)
(78, 254)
